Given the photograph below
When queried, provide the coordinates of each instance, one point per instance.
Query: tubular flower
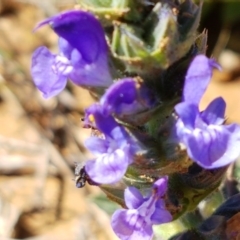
(82, 57)
(143, 212)
(208, 142)
(114, 152)
(127, 97)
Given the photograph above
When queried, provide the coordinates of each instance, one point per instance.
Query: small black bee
(81, 177)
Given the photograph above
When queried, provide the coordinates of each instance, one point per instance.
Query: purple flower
(208, 142)
(127, 97)
(82, 58)
(143, 212)
(114, 152)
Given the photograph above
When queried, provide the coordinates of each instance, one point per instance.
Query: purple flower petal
(161, 215)
(65, 48)
(128, 225)
(119, 95)
(96, 145)
(109, 167)
(160, 186)
(46, 78)
(214, 113)
(120, 135)
(127, 96)
(82, 31)
(188, 113)
(197, 79)
(95, 117)
(133, 197)
(214, 147)
(120, 224)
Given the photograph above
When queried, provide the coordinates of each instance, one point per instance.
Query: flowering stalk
(156, 153)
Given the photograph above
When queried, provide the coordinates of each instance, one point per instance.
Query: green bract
(147, 36)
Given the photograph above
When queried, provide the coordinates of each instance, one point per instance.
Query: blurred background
(41, 139)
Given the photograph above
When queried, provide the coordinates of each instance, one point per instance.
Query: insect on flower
(81, 177)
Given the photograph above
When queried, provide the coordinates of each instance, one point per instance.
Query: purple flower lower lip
(143, 212)
(108, 167)
(46, 78)
(83, 54)
(208, 142)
